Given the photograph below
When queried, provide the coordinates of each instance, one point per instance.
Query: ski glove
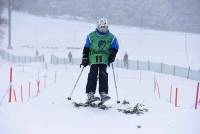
(112, 55)
(85, 60)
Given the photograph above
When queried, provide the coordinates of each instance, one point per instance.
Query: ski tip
(69, 98)
(118, 102)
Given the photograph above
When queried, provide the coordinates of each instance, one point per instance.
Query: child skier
(99, 51)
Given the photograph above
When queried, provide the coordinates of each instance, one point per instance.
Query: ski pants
(97, 70)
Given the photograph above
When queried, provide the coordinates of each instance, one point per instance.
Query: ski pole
(115, 84)
(69, 98)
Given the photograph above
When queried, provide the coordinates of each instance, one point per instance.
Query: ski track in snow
(51, 112)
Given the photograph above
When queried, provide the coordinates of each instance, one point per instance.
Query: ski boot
(91, 98)
(104, 98)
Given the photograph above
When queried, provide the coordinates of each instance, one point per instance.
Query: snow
(50, 112)
(48, 34)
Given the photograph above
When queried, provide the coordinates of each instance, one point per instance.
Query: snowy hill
(179, 15)
(48, 34)
(49, 111)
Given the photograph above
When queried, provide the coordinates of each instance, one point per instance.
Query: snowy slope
(51, 113)
(48, 34)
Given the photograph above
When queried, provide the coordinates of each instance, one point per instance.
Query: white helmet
(102, 25)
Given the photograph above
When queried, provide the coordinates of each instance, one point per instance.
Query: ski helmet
(102, 25)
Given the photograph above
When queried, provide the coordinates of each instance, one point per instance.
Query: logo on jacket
(101, 44)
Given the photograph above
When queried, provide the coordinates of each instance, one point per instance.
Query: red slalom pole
(10, 91)
(176, 98)
(21, 94)
(197, 96)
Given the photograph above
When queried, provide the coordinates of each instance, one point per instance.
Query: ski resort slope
(50, 112)
(56, 35)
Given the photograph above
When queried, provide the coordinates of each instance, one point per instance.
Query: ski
(76, 104)
(93, 100)
(104, 100)
(92, 105)
(104, 107)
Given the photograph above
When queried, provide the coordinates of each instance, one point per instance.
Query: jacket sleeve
(88, 42)
(85, 54)
(114, 44)
(113, 50)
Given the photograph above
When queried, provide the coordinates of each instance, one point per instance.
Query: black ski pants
(96, 69)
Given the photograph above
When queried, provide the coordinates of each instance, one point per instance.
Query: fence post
(57, 61)
(176, 98)
(23, 67)
(161, 68)
(148, 65)
(42, 58)
(18, 59)
(137, 64)
(25, 59)
(174, 70)
(188, 75)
